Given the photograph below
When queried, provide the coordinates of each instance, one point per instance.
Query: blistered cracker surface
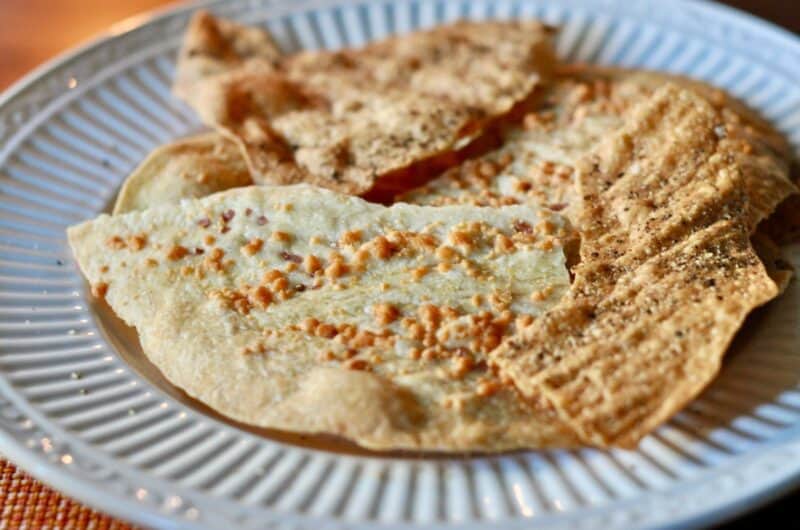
(667, 276)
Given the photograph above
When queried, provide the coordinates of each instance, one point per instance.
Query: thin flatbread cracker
(189, 168)
(535, 163)
(213, 46)
(344, 119)
(667, 277)
(580, 108)
(761, 153)
(301, 309)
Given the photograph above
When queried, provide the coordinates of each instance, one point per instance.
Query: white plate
(120, 439)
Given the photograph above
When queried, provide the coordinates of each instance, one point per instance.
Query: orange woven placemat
(28, 504)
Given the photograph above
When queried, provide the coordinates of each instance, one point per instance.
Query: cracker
(579, 109)
(213, 46)
(762, 154)
(345, 119)
(301, 309)
(667, 277)
(189, 168)
(535, 163)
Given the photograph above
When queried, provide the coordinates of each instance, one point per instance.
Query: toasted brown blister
(344, 119)
(667, 276)
(189, 168)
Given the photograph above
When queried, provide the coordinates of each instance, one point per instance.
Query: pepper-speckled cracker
(345, 119)
(189, 168)
(302, 309)
(761, 153)
(582, 106)
(667, 277)
(213, 46)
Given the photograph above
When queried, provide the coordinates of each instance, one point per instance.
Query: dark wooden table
(35, 30)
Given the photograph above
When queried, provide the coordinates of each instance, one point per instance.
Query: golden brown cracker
(578, 109)
(667, 276)
(344, 119)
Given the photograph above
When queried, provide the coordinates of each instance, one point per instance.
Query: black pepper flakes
(261, 220)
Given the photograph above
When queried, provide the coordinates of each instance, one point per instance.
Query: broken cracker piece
(352, 345)
(666, 279)
(344, 119)
(189, 168)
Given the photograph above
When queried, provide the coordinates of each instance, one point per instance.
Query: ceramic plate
(81, 409)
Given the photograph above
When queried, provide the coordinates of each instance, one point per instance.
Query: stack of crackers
(444, 241)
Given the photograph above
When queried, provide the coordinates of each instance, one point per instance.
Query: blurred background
(35, 30)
